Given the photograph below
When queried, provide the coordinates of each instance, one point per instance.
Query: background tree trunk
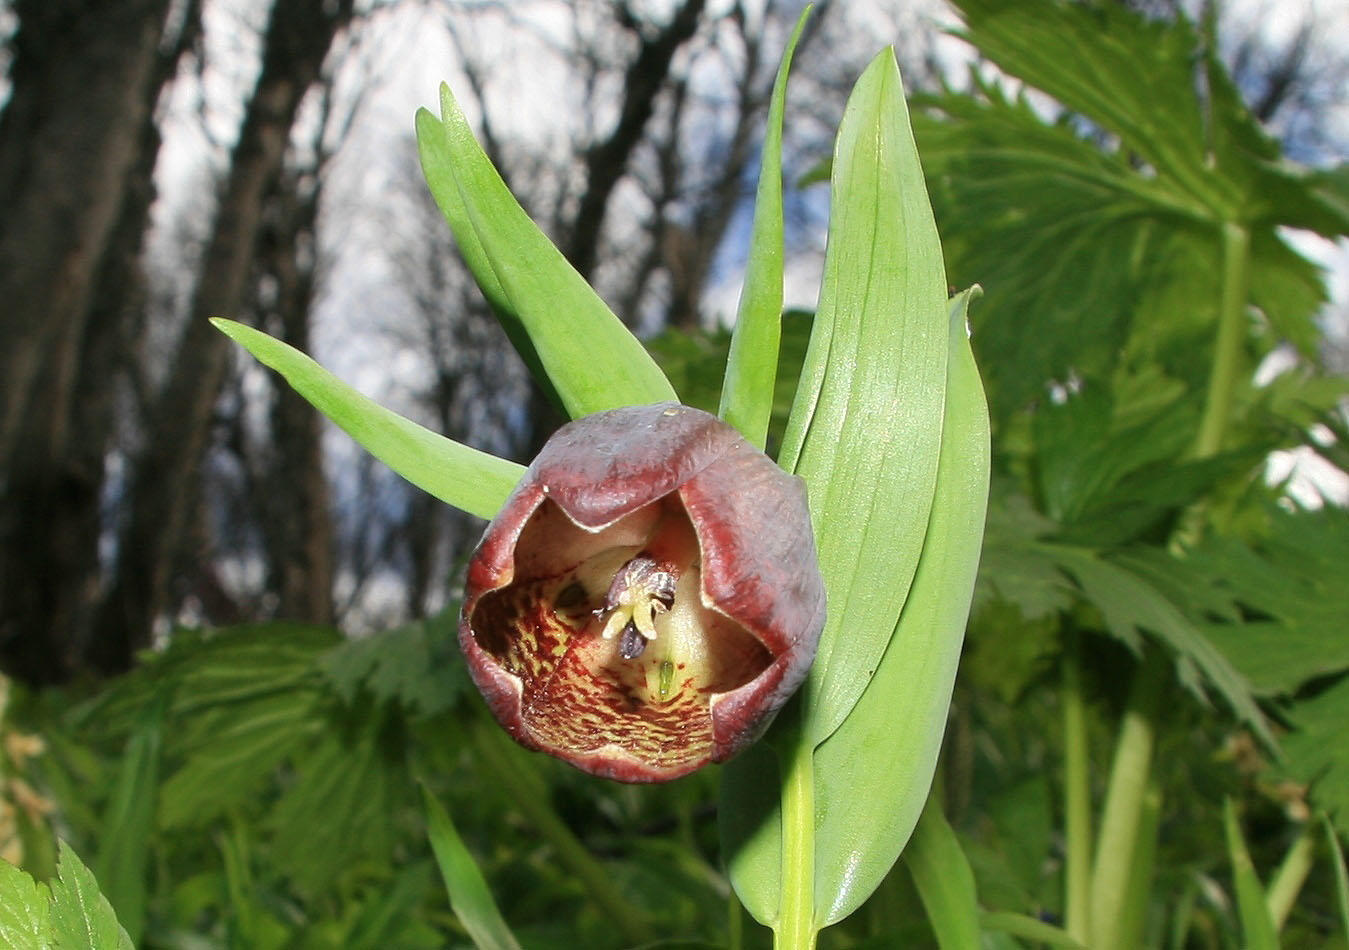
(165, 486)
(78, 144)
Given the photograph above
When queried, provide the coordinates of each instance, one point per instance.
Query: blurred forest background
(163, 161)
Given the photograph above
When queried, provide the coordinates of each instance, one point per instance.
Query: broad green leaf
(1257, 928)
(466, 478)
(81, 917)
(129, 821)
(874, 772)
(749, 819)
(944, 880)
(470, 897)
(865, 429)
(747, 393)
(24, 913)
(591, 359)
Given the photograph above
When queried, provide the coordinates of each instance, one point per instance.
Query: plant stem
(1222, 383)
(1135, 913)
(524, 792)
(1292, 874)
(1076, 796)
(1123, 812)
(796, 928)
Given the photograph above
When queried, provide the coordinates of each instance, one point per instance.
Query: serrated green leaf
(527, 279)
(1257, 927)
(865, 429)
(355, 782)
(944, 880)
(24, 912)
(81, 917)
(470, 897)
(747, 393)
(466, 478)
(247, 744)
(417, 666)
(1315, 752)
(1129, 590)
(874, 772)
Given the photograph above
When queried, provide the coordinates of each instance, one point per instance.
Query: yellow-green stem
(796, 928)
(1291, 875)
(1123, 812)
(1223, 377)
(504, 760)
(1135, 912)
(1076, 796)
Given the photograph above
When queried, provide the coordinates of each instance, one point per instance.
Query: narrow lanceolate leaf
(81, 917)
(470, 897)
(1341, 873)
(944, 880)
(466, 478)
(129, 821)
(873, 774)
(592, 361)
(24, 923)
(1031, 928)
(747, 393)
(1257, 927)
(865, 429)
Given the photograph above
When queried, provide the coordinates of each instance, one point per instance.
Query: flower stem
(1076, 795)
(796, 928)
(1122, 816)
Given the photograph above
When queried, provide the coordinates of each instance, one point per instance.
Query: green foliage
(553, 317)
(469, 894)
(67, 913)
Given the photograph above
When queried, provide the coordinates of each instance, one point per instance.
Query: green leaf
(1341, 873)
(1036, 931)
(466, 478)
(81, 917)
(129, 821)
(470, 897)
(865, 429)
(944, 880)
(591, 359)
(249, 742)
(1257, 927)
(417, 666)
(1315, 752)
(24, 912)
(1131, 591)
(747, 394)
(356, 783)
(874, 772)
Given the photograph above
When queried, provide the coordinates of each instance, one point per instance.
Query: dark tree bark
(165, 486)
(296, 517)
(77, 151)
(607, 160)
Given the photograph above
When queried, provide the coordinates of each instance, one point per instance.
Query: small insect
(631, 643)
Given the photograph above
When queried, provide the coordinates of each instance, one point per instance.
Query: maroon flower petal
(647, 598)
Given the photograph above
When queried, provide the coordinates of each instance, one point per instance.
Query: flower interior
(610, 638)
